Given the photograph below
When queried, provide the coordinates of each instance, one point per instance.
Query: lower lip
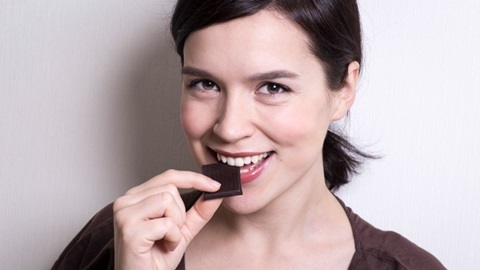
(254, 173)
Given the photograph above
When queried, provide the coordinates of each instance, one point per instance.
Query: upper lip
(237, 154)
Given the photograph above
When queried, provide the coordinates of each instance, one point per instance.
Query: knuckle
(168, 223)
(163, 178)
(118, 204)
(131, 191)
(165, 198)
(171, 188)
(169, 173)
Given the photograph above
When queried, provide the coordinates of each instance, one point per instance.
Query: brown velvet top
(92, 248)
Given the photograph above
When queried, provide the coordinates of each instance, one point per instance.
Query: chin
(243, 204)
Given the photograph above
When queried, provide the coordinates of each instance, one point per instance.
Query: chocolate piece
(228, 176)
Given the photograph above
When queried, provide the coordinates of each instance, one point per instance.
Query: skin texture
(244, 93)
(151, 228)
(242, 117)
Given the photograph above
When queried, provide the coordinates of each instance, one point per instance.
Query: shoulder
(377, 249)
(92, 247)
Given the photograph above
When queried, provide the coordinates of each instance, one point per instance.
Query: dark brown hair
(333, 28)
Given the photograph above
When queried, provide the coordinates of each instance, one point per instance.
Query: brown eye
(208, 85)
(272, 89)
(203, 85)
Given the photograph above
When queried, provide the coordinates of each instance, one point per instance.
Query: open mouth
(242, 161)
(251, 165)
(246, 163)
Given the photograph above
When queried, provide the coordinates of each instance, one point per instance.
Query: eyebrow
(271, 75)
(195, 72)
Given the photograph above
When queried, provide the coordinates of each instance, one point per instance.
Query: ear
(345, 96)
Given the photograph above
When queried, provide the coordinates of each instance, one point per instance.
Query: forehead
(263, 39)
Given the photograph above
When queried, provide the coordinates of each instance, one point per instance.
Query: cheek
(195, 120)
(299, 126)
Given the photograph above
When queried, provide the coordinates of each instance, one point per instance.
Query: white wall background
(88, 108)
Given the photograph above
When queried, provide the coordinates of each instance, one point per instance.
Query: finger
(134, 198)
(165, 231)
(159, 206)
(198, 216)
(181, 179)
(143, 236)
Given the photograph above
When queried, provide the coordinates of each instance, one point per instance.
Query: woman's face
(255, 96)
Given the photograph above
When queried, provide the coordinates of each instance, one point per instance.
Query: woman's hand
(152, 228)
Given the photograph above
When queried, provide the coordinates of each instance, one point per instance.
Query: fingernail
(215, 184)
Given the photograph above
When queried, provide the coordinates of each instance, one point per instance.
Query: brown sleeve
(92, 247)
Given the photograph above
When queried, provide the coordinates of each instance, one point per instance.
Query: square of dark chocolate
(228, 176)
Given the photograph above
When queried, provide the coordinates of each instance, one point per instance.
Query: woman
(262, 82)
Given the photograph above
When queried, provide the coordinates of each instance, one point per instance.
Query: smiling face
(254, 96)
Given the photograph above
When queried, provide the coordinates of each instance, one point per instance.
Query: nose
(234, 119)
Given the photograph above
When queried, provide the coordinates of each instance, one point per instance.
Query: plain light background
(88, 108)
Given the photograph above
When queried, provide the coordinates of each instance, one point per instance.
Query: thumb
(198, 216)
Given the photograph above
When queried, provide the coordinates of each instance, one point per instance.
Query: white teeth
(241, 161)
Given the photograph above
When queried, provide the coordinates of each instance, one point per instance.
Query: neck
(289, 218)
